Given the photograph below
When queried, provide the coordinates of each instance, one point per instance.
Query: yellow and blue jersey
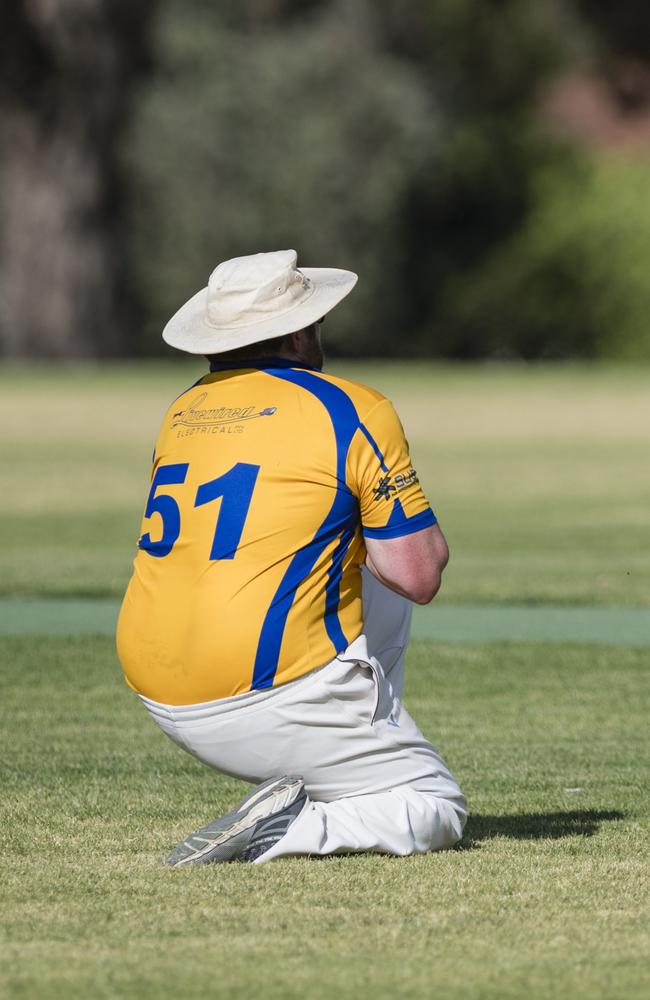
(265, 481)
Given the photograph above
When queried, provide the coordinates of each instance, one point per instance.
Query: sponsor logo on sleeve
(388, 485)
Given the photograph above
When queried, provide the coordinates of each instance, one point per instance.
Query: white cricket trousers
(374, 782)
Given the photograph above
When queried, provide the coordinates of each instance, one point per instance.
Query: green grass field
(539, 475)
(548, 896)
(540, 478)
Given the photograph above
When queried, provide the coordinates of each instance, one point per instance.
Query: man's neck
(277, 361)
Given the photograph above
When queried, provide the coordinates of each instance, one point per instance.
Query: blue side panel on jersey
(399, 524)
(270, 642)
(375, 447)
(333, 590)
(339, 523)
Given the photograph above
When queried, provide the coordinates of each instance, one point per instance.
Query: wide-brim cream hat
(255, 298)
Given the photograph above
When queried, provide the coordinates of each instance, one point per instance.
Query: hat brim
(188, 329)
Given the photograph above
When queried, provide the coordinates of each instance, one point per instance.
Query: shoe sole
(222, 839)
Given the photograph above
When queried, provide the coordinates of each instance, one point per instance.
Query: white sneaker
(258, 822)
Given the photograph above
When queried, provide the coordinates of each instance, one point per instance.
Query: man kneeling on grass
(284, 538)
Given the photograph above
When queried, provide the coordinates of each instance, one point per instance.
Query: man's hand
(411, 565)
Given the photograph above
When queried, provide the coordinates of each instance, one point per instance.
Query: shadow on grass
(536, 826)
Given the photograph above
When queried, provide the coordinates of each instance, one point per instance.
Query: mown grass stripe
(444, 622)
(485, 623)
(57, 616)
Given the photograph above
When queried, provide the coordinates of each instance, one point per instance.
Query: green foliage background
(403, 142)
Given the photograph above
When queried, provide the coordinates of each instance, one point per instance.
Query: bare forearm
(411, 565)
(387, 583)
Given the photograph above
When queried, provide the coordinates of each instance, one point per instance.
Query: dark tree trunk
(65, 70)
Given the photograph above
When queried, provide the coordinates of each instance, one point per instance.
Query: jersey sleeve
(381, 476)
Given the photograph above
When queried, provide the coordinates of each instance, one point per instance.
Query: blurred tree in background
(411, 143)
(278, 131)
(396, 140)
(65, 69)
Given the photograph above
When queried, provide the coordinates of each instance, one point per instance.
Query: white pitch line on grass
(438, 621)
